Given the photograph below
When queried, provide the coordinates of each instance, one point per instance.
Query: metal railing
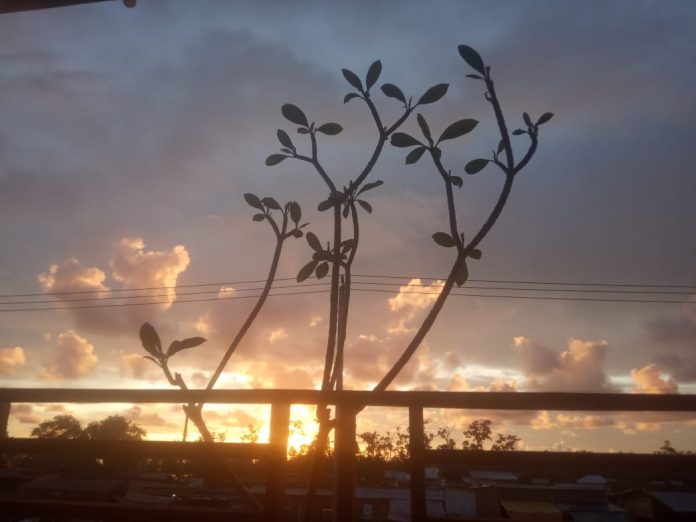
(348, 404)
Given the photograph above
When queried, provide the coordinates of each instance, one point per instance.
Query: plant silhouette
(346, 204)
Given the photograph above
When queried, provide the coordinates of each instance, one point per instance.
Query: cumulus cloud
(135, 365)
(11, 359)
(651, 379)
(75, 358)
(70, 276)
(25, 414)
(580, 367)
(133, 267)
(136, 268)
(411, 299)
(674, 335)
(277, 335)
(148, 418)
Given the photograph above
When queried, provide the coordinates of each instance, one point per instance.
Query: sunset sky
(129, 136)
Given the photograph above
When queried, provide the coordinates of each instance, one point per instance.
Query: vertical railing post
(416, 446)
(344, 455)
(5, 408)
(277, 465)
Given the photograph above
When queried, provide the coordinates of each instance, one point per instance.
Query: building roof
(502, 476)
(677, 501)
(525, 508)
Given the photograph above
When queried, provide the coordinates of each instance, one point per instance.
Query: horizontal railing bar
(358, 399)
(133, 448)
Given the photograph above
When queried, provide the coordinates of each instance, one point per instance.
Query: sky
(129, 136)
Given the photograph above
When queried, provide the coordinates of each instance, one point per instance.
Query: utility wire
(367, 290)
(372, 276)
(370, 283)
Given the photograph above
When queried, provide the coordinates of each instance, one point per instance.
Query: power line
(373, 276)
(367, 290)
(372, 283)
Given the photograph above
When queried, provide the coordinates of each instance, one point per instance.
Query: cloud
(25, 414)
(674, 335)
(148, 419)
(672, 328)
(75, 358)
(133, 267)
(71, 277)
(136, 365)
(651, 379)
(580, 367)
(411, 299)
(277, 335)
(11, 359)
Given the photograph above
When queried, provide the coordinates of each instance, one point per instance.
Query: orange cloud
(25, 414)
(10, 359)
(651, 379)
(75, 358)
(136, 268)
(580, 367)
(133, 267)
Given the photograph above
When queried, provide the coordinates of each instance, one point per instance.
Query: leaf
(474, 76)
(306, 271)
(544, 118)
(501, 146)
(433, 94)
(313, 241)
(462, 274)
(527, 119)
(285, 140)
(322, 270)
(400, 139)
(271, 203)
(370, 186)
(475, 253)
(286, 151)
(347, 244)
(518, 132)
(302, 130)
(253, 200)
(472, 58)
(177, 346)
(365, 205)
(350, 96)
(424, 127)
(444, 239)
(475, 166)
(373, 74)
(456, 181)
(352, 78)
(325, 205)
(150, 339)
(330, 129)
(414, 155)
(259, 217)
(458, 128)
(294, 114)
(321, 255)
(295, 211)
(274, 159)
(296, 233)
(152, 359)
(392, 91)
